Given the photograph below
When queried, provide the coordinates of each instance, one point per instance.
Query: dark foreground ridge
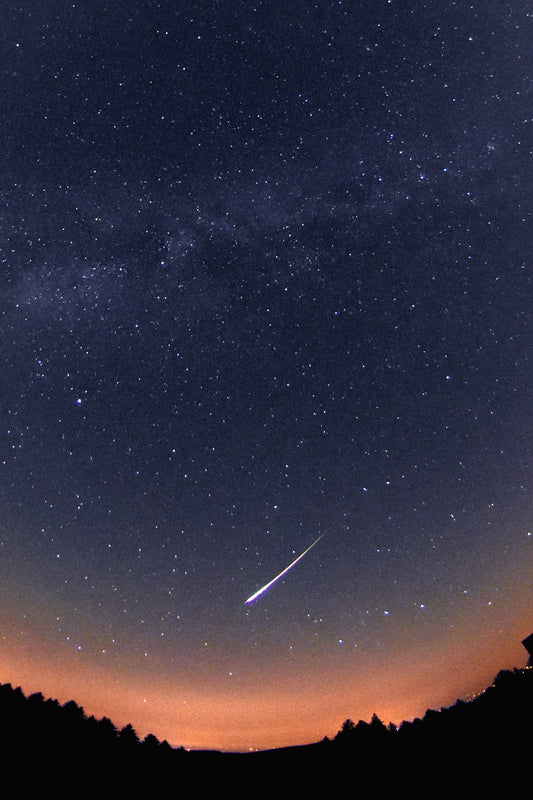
(470, 746)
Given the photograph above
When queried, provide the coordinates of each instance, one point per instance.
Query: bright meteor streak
(267, 586)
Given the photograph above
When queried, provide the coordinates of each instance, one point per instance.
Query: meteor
(267, 586)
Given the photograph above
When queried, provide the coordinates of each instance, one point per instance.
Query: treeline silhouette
(478, 742)
(471, 745)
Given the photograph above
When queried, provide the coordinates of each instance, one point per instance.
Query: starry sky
(266, 276)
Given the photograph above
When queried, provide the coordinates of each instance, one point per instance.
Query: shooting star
(267, 586)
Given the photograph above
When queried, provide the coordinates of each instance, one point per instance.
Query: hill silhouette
(473, 745)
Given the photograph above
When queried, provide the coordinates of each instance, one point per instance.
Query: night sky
(265, 277)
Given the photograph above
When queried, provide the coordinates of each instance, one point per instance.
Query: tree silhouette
(127, 736)
(346, 731)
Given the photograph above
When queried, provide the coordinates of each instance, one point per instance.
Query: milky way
(266, 272)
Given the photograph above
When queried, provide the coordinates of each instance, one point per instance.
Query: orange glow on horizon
(264, 717)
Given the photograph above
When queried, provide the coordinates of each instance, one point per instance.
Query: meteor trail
(267, 586)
